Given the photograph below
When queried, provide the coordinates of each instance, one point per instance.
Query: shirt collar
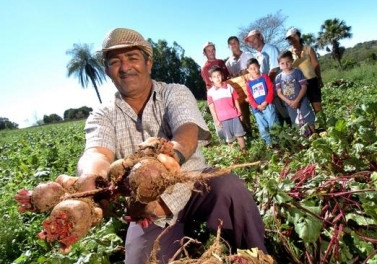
(234, 57)
(223, 86)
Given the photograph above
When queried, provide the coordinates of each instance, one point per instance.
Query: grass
(362, 75)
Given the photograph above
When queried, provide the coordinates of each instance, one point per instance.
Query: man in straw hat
(144, 108)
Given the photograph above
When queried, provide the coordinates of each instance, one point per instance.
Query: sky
(35, 35)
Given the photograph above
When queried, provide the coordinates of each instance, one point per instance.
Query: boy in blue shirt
(260, 94)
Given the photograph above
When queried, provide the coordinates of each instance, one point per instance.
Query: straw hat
(125, 38)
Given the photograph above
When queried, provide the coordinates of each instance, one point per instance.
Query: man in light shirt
(236, 64)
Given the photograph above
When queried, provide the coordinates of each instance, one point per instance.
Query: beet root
(148, 179)
(68, 222)
(41, 199)
(46, 195)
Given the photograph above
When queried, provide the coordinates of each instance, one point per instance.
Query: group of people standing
(280, 87)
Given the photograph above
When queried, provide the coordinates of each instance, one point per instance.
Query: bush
(5, 123)
(77, 113)
(53, 118)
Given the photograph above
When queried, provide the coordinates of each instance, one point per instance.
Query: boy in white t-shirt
(225, 109)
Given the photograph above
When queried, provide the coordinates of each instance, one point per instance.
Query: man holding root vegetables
(145, 109)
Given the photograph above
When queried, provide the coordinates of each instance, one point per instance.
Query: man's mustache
(127, 74)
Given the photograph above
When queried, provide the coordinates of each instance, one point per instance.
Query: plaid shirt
(118, 128)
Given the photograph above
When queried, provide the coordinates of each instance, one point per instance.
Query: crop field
(317, 195)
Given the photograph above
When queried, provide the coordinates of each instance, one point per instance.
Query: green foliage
(52, 118)
(100, 246)
(310, 40)
(364, 75)
(77, 113)
(5, 123)
(359, 56)
(170, 65)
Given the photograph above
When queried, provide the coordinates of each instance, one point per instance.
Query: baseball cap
(125, 38)
(252, 33)
(292, 31)
(207, 44)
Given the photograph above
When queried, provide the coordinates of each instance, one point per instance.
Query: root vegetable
(69, 221)
(97, 215)
(41, 199)
(148, 179)
(46, 195)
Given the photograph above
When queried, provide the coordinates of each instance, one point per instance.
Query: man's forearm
(185, 139)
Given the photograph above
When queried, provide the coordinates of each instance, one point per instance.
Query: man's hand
(170, 163)
(94, 163)
(145, 214)
(157, 209)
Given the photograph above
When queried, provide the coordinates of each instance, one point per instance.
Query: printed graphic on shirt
(288, 87)
(258, 90)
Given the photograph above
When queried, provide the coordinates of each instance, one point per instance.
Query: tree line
(5, 123)
(69, 114)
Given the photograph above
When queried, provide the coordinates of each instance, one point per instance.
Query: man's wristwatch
(181, 158)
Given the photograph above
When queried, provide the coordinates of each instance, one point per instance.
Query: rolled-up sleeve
(182, 108)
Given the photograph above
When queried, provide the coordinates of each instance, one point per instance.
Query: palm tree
(331, 32)
(309, 39)
(85, 66)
